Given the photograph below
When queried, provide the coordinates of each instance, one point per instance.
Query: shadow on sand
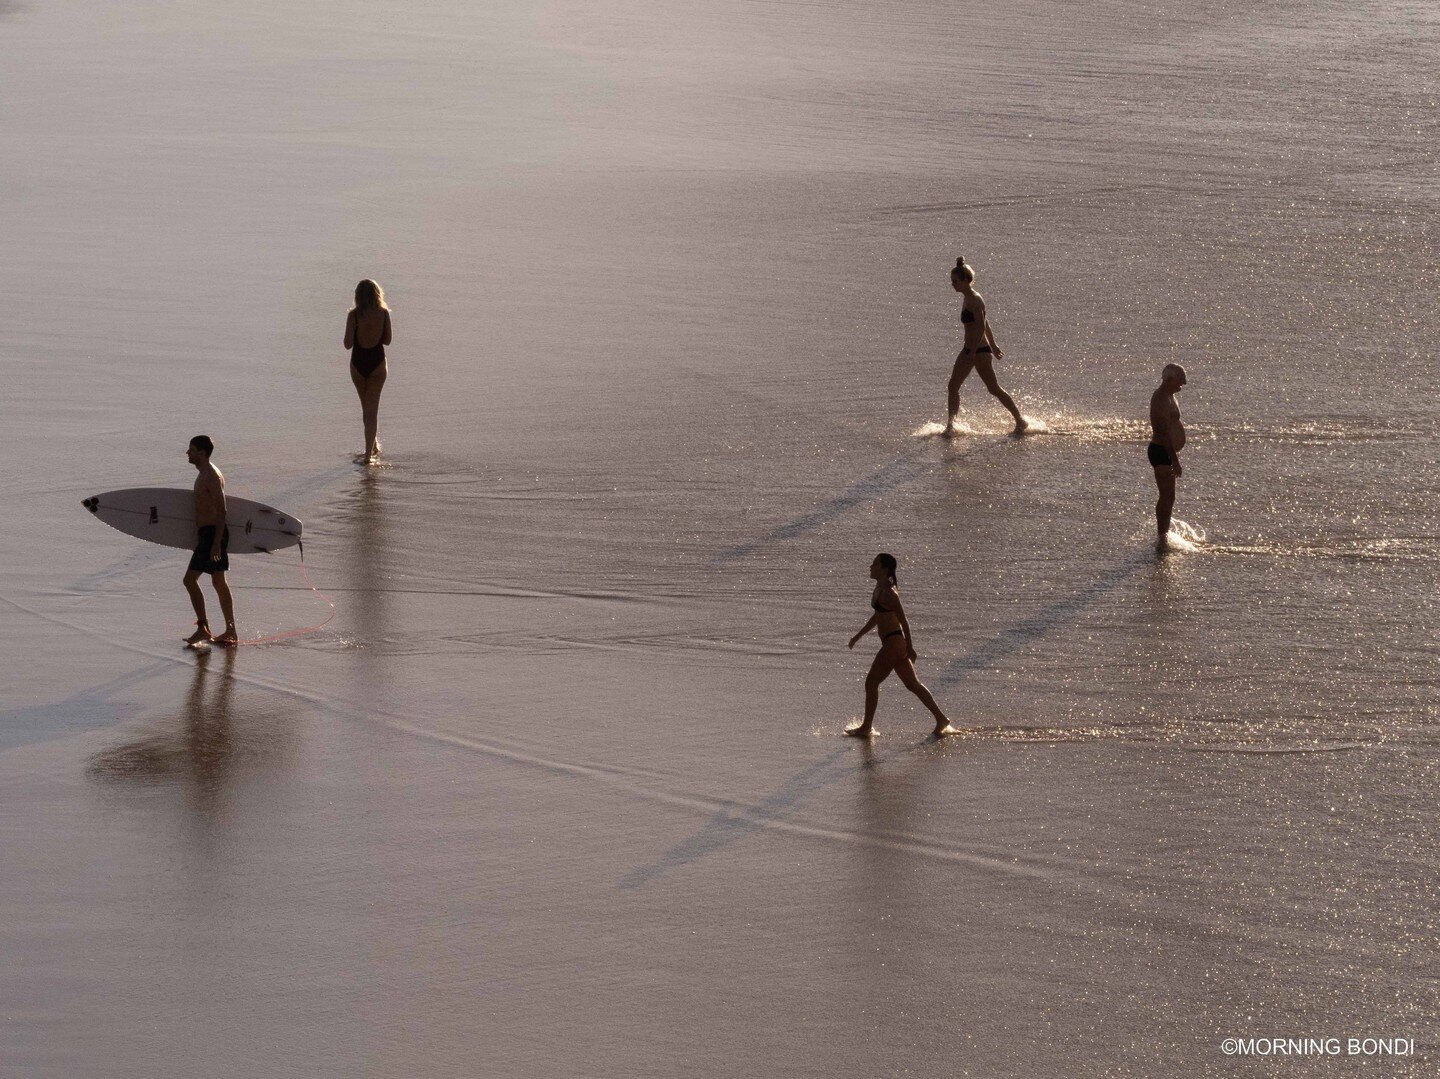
(736, 821)
(1041, 624)
(907, 466)
(86, 710)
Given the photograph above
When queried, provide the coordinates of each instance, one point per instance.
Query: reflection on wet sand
(891, 804)
(214, 739)
(368, 533)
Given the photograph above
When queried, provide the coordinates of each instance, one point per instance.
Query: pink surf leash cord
(272, 638)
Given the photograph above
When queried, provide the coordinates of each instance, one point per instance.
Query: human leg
(370, 409)
(958, 374)
(227, 607)
(985, 368)
(906, 670)
(197, 600)
(880, 670)
(369, 405)
(1165, 503)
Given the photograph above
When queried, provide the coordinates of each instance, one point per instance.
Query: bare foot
(861, 731)
(949, 431)
(227, 639)
(942, 729)
(1022, 425)
(200, 636)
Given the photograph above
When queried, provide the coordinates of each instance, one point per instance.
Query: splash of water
(1184, 536)
(937, 430)
(1185, 530)
(1089, 429)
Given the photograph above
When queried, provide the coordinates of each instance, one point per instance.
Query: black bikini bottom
(365, 366)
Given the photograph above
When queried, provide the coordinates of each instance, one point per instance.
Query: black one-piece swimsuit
(366, 360)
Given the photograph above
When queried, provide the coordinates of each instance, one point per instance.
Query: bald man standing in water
(1165, 445)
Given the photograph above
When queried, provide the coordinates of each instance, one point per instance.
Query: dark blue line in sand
(890, 477)
(1058, 614)
(897, 473)
(729, 826)
(726, 826)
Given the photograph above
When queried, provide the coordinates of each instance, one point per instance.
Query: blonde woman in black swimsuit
(979, 348)
(369, 321)
(897, 650)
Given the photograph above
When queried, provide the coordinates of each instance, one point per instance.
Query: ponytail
(888, 561)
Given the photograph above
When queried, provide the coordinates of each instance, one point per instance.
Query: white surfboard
(166, 515)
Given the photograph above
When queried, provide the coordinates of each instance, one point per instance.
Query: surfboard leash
(305, 573)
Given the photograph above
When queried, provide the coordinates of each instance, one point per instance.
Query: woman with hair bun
(368, 321)
(897, 650)
(979, 347)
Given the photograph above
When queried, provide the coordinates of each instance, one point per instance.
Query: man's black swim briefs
(200, 561)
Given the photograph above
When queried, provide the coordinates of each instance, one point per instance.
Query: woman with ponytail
(897, 650)
(979, 347)
(370, 321)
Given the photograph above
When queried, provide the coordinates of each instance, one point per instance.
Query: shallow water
(562, 787)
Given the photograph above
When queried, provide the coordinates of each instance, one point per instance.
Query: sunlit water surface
(561, 789)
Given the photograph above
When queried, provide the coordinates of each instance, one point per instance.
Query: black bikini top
(966, 315)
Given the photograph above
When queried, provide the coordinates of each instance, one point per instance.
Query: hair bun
(960, 262)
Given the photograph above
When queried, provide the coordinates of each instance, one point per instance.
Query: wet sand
(562, 788)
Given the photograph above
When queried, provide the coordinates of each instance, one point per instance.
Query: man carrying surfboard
(212, 543)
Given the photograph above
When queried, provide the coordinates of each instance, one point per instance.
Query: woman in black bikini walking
(370, 321)
(897, 650)
(979, 347)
